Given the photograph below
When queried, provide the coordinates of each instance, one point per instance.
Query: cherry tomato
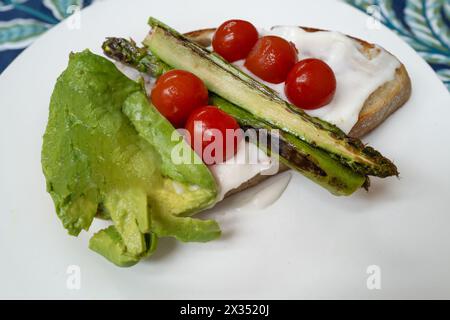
(311, 84)
(177, 93)
(210, 126)
(271, 59)
(234, 39)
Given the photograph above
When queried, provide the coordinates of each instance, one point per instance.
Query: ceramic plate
(308, 244)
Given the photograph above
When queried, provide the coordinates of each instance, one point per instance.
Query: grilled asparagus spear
(127, 52)
(263, 103)
(315, 164)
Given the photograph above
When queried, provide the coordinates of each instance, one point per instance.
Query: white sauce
(135, 75)
(248, 162)
(271, 191)
(356, 75)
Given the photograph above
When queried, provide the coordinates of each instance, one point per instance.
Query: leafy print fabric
(423, 24)
(22, 21)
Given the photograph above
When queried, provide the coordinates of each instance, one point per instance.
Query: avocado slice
(127, 207)
(263, 103)
(109, 243)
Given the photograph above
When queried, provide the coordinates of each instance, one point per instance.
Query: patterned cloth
(22, 21)
(424, 24)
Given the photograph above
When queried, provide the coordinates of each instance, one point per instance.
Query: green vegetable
(263, 103)
(107, 150)
(158, 131)
(128, 53)
(315, 164)
(108, 242)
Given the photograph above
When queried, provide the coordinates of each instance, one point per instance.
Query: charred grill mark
(287, 151)
(302, 161)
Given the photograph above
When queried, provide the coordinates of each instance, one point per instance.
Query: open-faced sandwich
(177, 124)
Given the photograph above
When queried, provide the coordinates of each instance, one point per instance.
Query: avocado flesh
(105, 147)
(109, 243)
(263, 103)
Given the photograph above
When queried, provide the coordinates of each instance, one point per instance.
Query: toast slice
(384, 101)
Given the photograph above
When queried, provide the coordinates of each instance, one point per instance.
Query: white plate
(309, 244)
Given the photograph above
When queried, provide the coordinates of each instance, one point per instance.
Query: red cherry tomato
(311, 84)
(234, 39)
(210, 126)
(177, 93)
(271, 59)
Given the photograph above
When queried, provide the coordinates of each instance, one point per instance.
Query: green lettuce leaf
(107, 149)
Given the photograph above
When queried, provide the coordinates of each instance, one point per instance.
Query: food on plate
(234, 39)
(310, 84)
(107, 150)
(264, 104)
(112, 150)
(310, 161)
(176, 94)
(371, 82)
(209, 125)
(271, 59)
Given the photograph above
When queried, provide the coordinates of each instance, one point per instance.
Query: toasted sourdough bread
(378, 106)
